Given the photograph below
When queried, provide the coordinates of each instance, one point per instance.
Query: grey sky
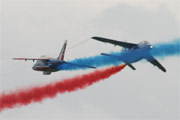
(31, 28)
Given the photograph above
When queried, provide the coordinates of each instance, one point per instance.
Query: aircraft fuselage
(49, 66)
(135, 54)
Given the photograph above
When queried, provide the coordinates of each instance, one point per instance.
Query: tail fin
(61, 54)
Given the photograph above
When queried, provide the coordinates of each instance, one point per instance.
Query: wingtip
(163, 69)
(94, 37)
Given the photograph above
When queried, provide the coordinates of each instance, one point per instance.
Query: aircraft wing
(153, 61)
(115, 42)
(78, 65)
(31, 59)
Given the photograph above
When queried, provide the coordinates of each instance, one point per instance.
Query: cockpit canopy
(143, 43)
(139, 45)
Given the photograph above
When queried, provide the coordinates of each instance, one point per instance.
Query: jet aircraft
(48, 65)
(132, 52)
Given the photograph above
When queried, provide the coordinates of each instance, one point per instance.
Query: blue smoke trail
(166, 49)
(159, 50)
(95, 61)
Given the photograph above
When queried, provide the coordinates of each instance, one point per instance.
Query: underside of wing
(31, 59)
(153, 61)
(115, 42)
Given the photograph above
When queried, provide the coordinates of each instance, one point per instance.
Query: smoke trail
(166, 49)
(96, 61)
(37, 94)
(159, 50)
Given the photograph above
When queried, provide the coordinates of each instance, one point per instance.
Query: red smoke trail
(37, 94)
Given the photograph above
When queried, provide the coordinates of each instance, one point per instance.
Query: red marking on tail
(61, 55)
(37, 94)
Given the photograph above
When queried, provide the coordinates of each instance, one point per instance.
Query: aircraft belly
(44, 68)
(132, 56)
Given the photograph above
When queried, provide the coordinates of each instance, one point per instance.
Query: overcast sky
(31, 28)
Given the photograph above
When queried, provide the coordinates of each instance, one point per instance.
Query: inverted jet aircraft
(132, 52)
(48, 65)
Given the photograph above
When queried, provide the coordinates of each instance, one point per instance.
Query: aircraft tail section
(129, 64)
(61, 54)
(114, 56)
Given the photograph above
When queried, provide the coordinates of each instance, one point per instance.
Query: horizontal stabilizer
(131, 66)
(79, 65)
(110, 55)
